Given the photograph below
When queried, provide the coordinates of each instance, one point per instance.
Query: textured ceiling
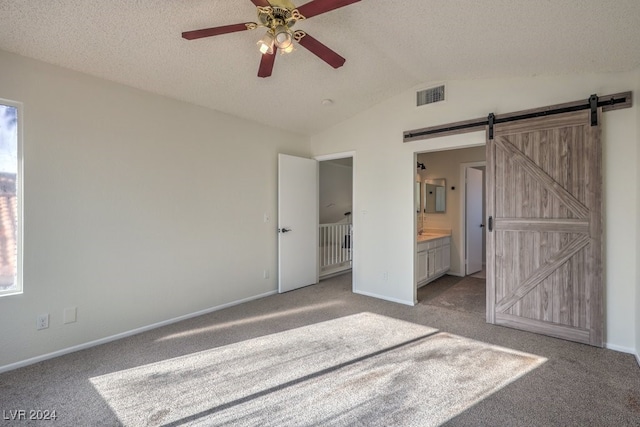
(390, 46)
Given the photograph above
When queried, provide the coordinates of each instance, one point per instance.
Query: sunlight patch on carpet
(252, 319)
(362, 369)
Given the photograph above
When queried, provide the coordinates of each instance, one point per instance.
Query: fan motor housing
(272, 17)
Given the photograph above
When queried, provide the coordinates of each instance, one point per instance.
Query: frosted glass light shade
(284, 38)
(265, 44)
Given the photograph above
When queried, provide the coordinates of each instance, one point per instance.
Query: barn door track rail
(607, 103)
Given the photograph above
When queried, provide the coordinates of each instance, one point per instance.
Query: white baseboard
(105, 340)
(620, 348)
(638, 359)
(370, 294)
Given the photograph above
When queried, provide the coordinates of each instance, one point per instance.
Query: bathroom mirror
(435, 196)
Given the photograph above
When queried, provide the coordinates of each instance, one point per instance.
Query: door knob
(481, 225)
(284, 230)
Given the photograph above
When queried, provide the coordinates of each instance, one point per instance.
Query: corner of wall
(637, 310)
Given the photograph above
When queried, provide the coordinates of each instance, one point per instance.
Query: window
(10, 203)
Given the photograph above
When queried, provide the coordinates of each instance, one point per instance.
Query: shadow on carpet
(364, 369)
(467, 294)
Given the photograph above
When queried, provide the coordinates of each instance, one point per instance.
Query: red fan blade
(321, 51)
(263, 3)
(266, 63)
(215, 31)
(317, 7)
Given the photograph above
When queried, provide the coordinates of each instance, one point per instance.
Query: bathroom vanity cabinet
(433, 258)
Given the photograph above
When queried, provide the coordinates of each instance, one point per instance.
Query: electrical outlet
(385, 276)
(265, 273)
(42, 322)
(266, 217)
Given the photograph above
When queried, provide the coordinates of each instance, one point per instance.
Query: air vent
(431, 95)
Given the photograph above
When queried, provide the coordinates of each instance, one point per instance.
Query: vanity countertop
(425, 237)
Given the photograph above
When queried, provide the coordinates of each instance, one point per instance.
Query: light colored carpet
(363, 369)
(482, 274)
(578, 386)
(465, 294)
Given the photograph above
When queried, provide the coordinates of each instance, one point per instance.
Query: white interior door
(474, 217)
(297, 222)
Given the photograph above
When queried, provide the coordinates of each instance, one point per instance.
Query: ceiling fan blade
(266, 63)
(316, 7)
(263, 3)
(216, 31)
(322, 51)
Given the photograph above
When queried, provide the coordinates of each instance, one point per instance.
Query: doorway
(473, 190)
(449, 167)
(544, 223)
(457, 289)
(335, 204)
(299, 254)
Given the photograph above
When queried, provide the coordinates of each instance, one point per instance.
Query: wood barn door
(544, 210)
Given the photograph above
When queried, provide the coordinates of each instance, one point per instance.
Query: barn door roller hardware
(608, 103)
(593, 105)
(491, 121)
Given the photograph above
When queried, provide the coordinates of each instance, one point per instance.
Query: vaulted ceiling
(390, 46)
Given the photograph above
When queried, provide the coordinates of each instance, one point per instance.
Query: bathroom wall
(447, 165)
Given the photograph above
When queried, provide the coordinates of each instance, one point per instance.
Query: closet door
(544, 245)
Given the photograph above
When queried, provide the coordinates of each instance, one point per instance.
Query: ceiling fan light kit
(284, 39)
(279, 16)
(266, 43)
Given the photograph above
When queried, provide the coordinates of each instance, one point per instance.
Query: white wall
(638, 223)
(446, 164)
(384, 179)
(336, 191)
(137, 208)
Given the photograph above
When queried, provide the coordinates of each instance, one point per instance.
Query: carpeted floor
(465, 294)
(365, 367)
(578, 385)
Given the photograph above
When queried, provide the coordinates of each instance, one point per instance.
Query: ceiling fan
(279, 16)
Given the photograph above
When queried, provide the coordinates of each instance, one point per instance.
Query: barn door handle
(490, 223)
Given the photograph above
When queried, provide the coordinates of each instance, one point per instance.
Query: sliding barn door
(544, 246)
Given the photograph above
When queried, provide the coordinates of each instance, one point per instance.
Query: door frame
(354, 217)
(450, 142)
(463, 206)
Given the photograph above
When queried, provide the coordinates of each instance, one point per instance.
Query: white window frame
(19, 199)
